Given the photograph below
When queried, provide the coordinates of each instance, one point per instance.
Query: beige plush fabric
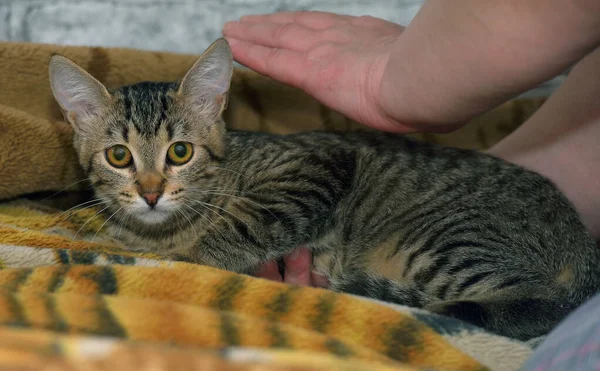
(35, 142)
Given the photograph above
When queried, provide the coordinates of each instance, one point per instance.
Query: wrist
(408, 96)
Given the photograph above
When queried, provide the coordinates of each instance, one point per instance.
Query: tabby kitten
(454, 231)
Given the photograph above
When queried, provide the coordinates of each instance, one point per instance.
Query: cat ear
(78, 93)
(207, 83)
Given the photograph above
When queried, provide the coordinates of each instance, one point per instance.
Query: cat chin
(152, 216)
(159, 214)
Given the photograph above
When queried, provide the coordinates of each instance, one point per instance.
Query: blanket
(69, 298)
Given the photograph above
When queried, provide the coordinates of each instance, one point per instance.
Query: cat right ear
(206, 85)
(78, 93)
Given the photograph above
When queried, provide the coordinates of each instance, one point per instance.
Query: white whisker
(245, 199)
(230, 170)
(106, 221)
(189, 220)
(92, 217)
(90, 204)
(207, 218)
(206, 204)
(70, 185)
(122, 222)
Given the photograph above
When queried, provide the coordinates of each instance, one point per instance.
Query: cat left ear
(207, 83)
(78, 93)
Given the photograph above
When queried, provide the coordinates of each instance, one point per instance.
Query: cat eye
(179, 153)
(118, 156)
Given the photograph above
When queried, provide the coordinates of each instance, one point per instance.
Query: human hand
(298, 266)
(339, 60)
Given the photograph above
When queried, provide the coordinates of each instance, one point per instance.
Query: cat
(456, 232)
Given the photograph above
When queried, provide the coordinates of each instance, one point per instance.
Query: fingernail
(295, 254)
(232, 42)
(228, 25)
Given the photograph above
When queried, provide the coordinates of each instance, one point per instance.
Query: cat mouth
(153, 216)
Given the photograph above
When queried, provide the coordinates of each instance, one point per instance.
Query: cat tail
(504, 313)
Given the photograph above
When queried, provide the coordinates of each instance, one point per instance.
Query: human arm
(454, 61)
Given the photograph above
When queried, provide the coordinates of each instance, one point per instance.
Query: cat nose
(150, 186)
(151, 198)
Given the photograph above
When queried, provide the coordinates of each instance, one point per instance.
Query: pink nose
(151, 197)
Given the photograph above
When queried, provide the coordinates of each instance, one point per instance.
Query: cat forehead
(144, 106)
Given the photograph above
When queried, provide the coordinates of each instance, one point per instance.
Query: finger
(283, 65)
(270, 271)
(297, 267)
(274, 35)
(319, 280)
(312, 19)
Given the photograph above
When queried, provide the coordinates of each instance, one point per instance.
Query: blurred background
(183, 26)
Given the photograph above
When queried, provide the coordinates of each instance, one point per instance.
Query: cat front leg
(226, 257)
(238, 243)
(263, 225)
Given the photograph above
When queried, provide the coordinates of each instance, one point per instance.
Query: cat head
(145, 146)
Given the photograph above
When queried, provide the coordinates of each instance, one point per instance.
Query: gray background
(186, 26)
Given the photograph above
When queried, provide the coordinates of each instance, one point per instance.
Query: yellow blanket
(70, 298)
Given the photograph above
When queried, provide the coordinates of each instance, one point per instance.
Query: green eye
(118, 156)
(180, 153)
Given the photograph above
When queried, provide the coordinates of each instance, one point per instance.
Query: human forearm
(459, 59)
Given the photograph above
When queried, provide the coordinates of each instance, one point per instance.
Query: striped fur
(454, 231)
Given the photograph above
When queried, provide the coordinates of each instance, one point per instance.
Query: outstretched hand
(339, 60)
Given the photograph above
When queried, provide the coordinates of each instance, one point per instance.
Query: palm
(339, 60)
